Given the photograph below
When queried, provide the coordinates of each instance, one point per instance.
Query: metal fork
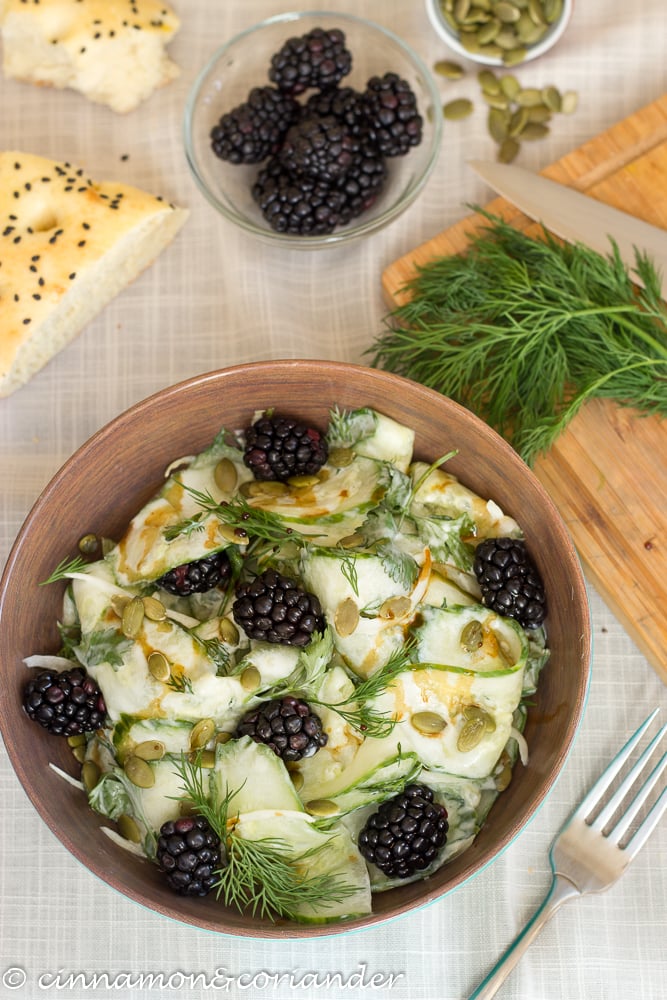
(587, 857)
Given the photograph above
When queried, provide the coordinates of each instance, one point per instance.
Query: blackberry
(344, 103)
(318, 147)
(198, 576)
(287, 725)
(509, 581)
(301, 206)
(391, 108)
(255, 129)
(188, 851)
(405, 834)
(66, 702)
(273, 608)
(281, 447)
(317, 60)
(363, 182)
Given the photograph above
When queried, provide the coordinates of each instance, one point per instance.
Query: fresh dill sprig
(524, 331)
(185, 528)
(180, 683)
(64, 568)
(264, 877)
(252, 523)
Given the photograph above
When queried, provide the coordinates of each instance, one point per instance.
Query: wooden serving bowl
(105, 482)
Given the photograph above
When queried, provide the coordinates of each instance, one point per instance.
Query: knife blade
(577, 217)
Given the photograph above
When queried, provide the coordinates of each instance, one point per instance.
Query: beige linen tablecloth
(215, 298)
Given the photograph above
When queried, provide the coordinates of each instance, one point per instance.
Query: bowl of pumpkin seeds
(500, 32)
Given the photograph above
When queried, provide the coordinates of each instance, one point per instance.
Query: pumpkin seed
(250, 678)
(322, 807)
(569, 102)
(428, 723)
(346, 617)
(489, 31)
(451, 71)
(510, 86)
(158, 666)
(297, 780)
(551, 98)
(528, 32)
(225, 475)
(472, 636)
(303, 482)
(261, 488)
(528, 97)
(553, 10)
(503, 772)
(118, 604)
(76, 741)
(150, 750)
(497, 101)
(461, 9)
(395, 607)
(514, 56)
(129, 828)
(536, 11)
(488, 81)
(154, 610)
(508, 150)
(223, 737)
(534, 130)
(231, 534)
(132, 618)
(340, 458)
(474, 712)
(351, 541)
(507, 12)
(139, 772)
(201, 733)
(498, 124)
(79, 753)
(472, 733)
(540, 114)
(90, 774)
(205, 758)
(506, 39)
(228, 631)
(89, 545)
(458, 109)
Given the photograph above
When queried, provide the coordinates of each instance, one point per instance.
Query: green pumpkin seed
(79, 753)
(225, 475)
(528, 97)
(228, 631)
(129, 828)
(472, 733)
(458, 109)
(340, 458)
(553, 10)
(268, 488)
(132, 618)
(528, 32)
(514, 56)
(508, 12)
(395, 607)
(76, 741)
(498, 124)
(533, 131)
(451, 71)
(223, 737)
(518, 122)
(237, 536)
(89, 545)
(510, 86)
(474, 712)
(90, 774)
(569, 102)
(154, 610)
(488, 81)
(303, 482)
(503, 773)
(322, 807)
(489, 31)
(250, 678)
(461, 9)
(205, 758)
(158, 666)
(536, 11)
(551, 98)
(497, 101)
(428, 723)
(297, 780)
(508, 150)
(346, 617)
(472, 636)
(201, 733)
(539, 114)
(351, 541)
(118, 604)
(150, 750)
(139, 772)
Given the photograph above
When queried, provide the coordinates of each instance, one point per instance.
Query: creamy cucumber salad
(398, 681)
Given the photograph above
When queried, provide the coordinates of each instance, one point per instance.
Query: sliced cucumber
(444, 492)
(254, 778)
(330, 853)
(379, 769)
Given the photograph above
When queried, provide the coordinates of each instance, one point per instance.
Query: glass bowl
(243, 63)
(447, 31)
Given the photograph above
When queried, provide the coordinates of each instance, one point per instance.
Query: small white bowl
(452, 39)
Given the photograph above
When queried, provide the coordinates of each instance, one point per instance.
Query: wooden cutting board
(607, 473)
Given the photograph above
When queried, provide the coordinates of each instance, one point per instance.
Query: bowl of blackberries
(312, 129)
(307, 651)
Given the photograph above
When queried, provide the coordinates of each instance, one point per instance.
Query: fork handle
(560, 891)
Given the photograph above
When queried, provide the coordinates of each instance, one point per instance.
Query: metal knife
(576, 217)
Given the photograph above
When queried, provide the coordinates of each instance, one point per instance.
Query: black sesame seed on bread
(112, 51)
(68, 245)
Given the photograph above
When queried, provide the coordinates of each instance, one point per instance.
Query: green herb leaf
(107, 646)
(64, 568)
(524, 331)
